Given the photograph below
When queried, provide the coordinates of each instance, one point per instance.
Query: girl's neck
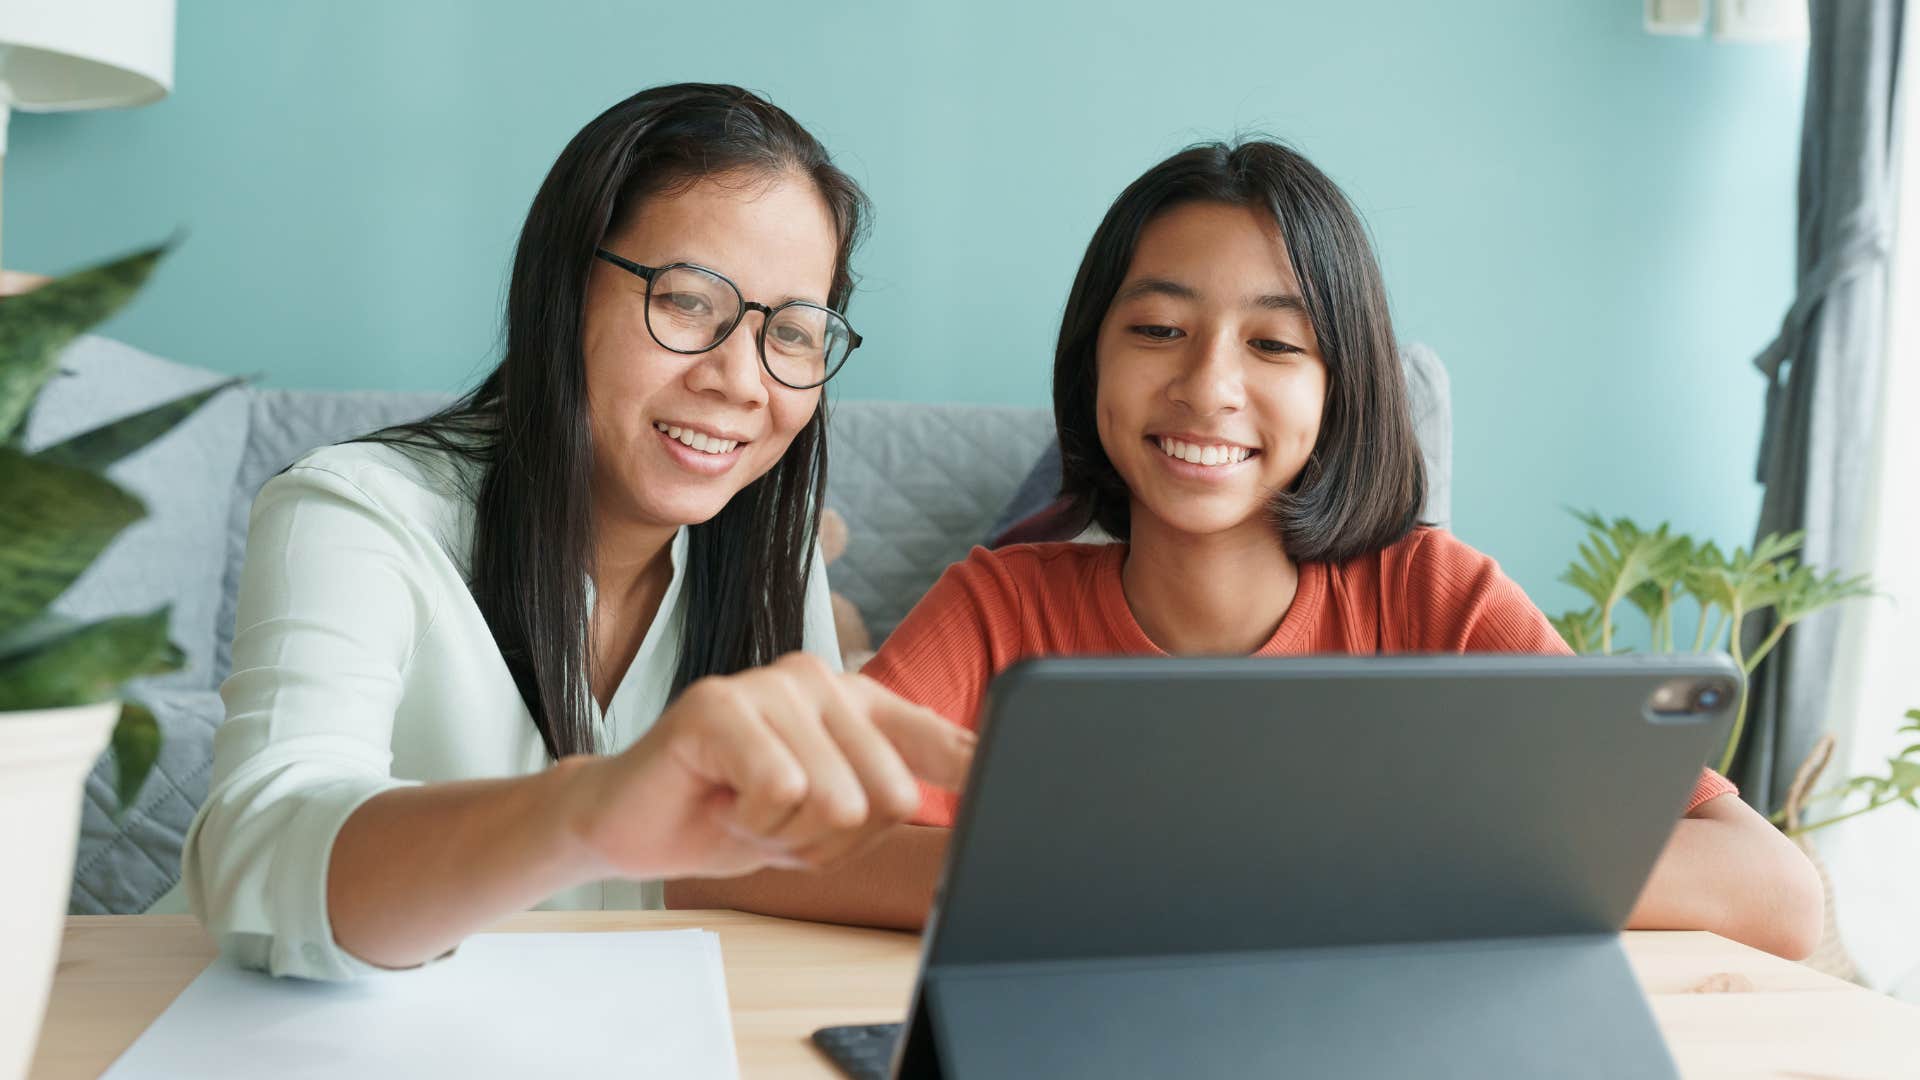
(1221, 595)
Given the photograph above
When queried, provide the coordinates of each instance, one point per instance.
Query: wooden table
(1727, 1010)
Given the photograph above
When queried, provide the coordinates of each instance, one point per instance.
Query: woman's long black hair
(526, 425)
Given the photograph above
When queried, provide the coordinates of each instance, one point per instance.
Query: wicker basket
(1831, 956)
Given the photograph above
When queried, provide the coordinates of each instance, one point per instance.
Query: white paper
(644, 1004)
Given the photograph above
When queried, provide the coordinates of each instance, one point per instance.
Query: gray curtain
(1824, 369)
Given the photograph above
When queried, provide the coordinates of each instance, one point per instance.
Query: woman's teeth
(699, 442)
(1203, 455)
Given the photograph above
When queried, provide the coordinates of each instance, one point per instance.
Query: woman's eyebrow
(787, 299)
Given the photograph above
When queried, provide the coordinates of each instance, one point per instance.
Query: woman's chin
(675, 505)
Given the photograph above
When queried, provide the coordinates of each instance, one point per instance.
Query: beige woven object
(1831, 956)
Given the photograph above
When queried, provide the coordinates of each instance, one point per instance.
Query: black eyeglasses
(691, 309)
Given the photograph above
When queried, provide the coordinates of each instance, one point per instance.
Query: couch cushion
(176, 555)
(286, 424)
(127, 862)
(919, 485)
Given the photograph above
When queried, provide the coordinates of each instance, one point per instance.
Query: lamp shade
(84, 54)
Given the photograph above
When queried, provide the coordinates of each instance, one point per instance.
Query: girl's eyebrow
(1159, 286)
(1279, 302)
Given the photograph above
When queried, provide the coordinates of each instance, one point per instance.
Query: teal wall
(1592, 225)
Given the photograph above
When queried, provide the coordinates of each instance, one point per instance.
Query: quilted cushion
(919, 485)
(126, 863)
(175, 555)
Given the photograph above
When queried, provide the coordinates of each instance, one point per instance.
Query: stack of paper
(629, 1004)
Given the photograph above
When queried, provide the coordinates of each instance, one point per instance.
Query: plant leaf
(1774, 545)
(90, 663)
(136, 746)
(99, 448)
(1801, 590)
(54, 521)
(35, 326)
(1579, 629)
(35, 634)
(1616, 558)
(1904, 775)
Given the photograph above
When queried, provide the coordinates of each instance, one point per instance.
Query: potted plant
(1658, 570)
(60, 679)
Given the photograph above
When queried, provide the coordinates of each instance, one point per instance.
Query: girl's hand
(792, 766)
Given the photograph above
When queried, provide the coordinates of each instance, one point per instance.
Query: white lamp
(57, 55)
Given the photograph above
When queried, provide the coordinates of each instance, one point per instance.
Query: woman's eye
(1156, 333)
(684, 302)
(792, 335)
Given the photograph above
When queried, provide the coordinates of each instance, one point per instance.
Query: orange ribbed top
(1428, 593)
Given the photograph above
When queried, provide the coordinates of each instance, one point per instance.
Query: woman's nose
(732, 368)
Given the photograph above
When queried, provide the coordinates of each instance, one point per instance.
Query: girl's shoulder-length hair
(1365, 483)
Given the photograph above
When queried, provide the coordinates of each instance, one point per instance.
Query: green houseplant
(1659, 573)
(60, 679)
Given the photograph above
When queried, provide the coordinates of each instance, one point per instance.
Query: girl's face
(774, 238)
(1211, 384)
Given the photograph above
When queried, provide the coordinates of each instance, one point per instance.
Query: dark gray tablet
(1378, 866)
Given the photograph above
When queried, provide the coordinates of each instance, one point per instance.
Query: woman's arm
(940, 656)
(1728, 870)
(309, 858)
(889, 885)
(416, 869)
(791, 765)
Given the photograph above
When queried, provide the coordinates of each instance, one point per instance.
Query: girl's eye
(1277, 348)
(1156, 333)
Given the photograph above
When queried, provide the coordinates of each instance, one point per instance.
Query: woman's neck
(628, 555)
(632, 565)
(1221, 595)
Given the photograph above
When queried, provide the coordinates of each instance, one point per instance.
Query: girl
(1231, 406)
(621, 515)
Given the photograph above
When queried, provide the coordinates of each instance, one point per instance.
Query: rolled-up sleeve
(332, 606)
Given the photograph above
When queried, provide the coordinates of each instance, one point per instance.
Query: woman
(1230, 404)
(622, 515)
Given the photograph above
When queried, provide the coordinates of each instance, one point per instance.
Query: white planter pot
(45, 756)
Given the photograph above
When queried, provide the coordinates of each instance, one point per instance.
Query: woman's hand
(792, 765)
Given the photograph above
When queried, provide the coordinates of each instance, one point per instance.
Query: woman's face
(774, 238)
(1211, 384)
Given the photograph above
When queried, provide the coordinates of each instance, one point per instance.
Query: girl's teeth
(1204, 455)
(696, 440)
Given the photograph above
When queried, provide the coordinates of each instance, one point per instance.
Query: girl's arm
(890, 885)
(1728, 870)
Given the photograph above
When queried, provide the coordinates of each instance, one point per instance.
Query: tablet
(1323, 866)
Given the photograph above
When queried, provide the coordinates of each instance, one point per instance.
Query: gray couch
(917, 484)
